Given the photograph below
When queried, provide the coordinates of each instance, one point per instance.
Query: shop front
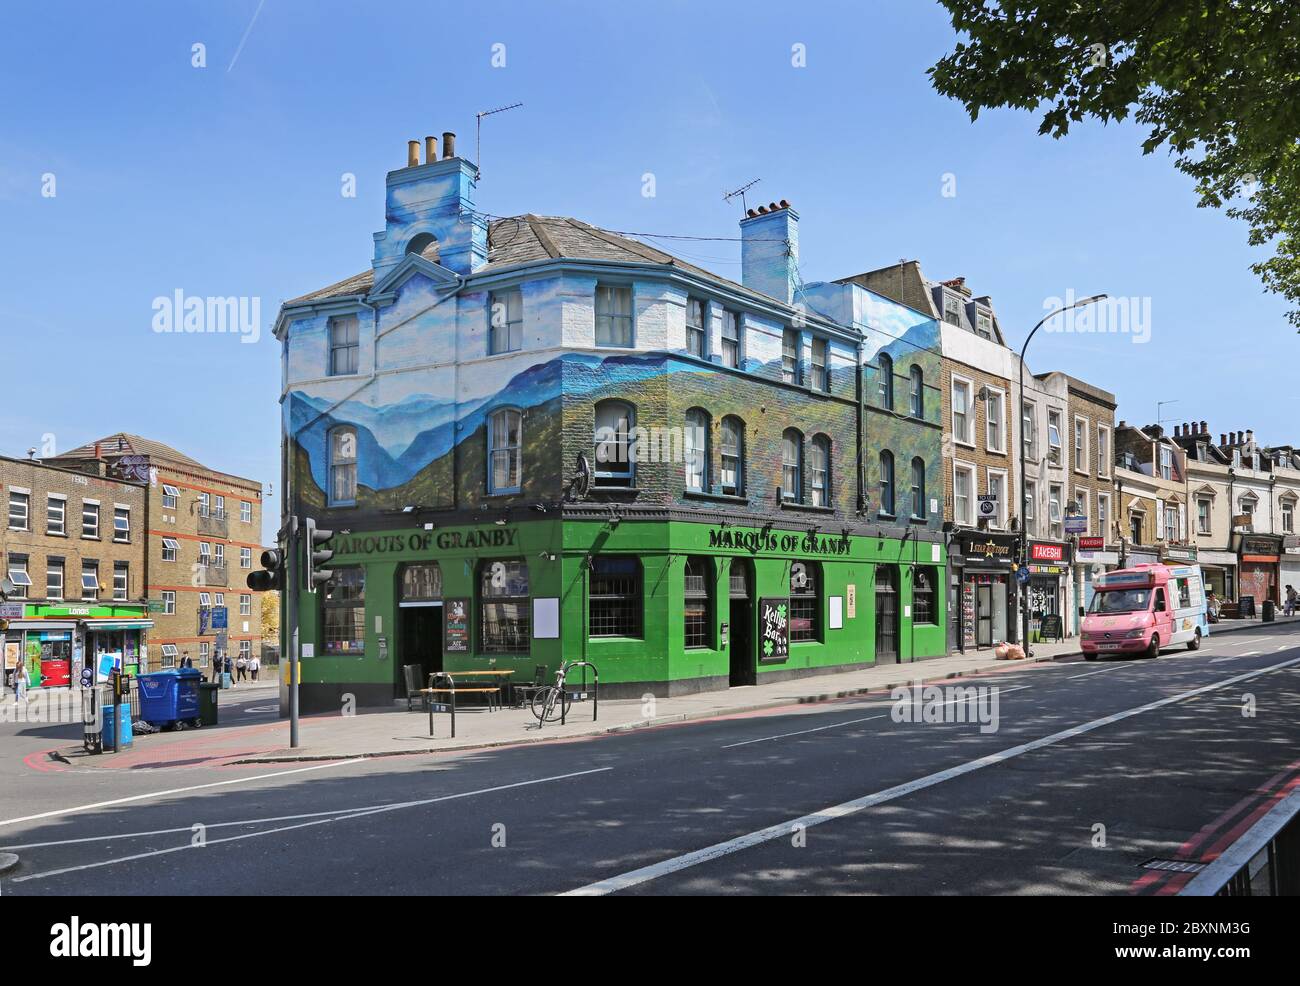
(1258, 568)
(1093, 560)
(1219, 568)
(1048, 589)
(1289, 564)
(666, 607)
(984, 569)
(53, 642)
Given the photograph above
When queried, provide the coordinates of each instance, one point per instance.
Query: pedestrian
(254, 665)
(1291, 601)
(20, 682)
(185, 659)
(230, 669)
(241, 666)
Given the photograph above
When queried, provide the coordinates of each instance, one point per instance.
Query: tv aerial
(728, 196)
(478, 131)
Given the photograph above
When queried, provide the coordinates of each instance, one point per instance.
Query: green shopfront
(666, 607)
(53, 642)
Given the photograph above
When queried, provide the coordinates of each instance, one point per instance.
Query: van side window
(1184, 593)
(1160, 600)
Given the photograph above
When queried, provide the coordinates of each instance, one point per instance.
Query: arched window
(695, 444)
(923, 608)
(886, 380)
(698, 596)
(505, 469)
(615, 449)
(918, 392)
(886, 482)
(343, 466)
(733, 456)
(792, 466)
(805, 600)
(505, 625)
(425, 245)
(819, 471)
(918, 488)
(614, 600)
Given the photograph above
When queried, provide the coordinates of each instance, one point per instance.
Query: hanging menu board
(774, 627)
(455, 615)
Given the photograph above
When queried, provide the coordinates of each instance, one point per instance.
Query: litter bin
(1267, 612)
(112, 716)
(208, 691)
(170, 696)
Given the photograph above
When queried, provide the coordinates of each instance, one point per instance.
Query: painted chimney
(769, 251)
(434, 199)
(1223, 439)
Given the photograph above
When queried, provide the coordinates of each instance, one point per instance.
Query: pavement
(254, 735)
(1111, 777)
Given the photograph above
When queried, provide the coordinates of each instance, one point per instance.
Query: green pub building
(538, 441)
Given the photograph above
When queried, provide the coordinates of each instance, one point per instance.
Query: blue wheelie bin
(170, 696)
(117, 733)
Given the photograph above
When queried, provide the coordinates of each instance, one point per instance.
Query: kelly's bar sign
(774, 622)
(456, 626)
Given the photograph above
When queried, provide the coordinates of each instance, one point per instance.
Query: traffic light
(316, 575)
(272, 574)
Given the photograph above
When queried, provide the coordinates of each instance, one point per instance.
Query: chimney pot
(1241, 437)
(1223, 439)
(751, 213)
(762, 210)
(412, 153)
(430, 150)
(1205, 427)
(785, 204)
(448, 144)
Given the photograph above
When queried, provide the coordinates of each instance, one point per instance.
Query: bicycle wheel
(546, 704)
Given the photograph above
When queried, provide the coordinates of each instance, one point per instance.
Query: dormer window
(983, 324)
(951, 308)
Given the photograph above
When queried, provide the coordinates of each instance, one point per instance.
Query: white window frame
(89, 570)
(968, 385)
(1001, 446)
(970, 470)
(1083, 499)
(989, 472)
(86, 506)
(62, 501)
(1208, 502)
(1057, 445)
(23, 582)
(1029, 508)
(120, 535)
(245, 557)
(1029, 436)
(1287, 509)
(1055, 510)
(1171, 534)
(172, 546)
(1104, 451)
(246, 511)
(50, 568)
(1166, 460)
(169, 602)
(245, 604)
(1103, 516)
(170, 496)
(122, 594)
(615, 318)
(1082, 453)
(25, 498)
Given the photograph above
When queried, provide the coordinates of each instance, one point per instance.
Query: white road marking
(801, 732)
(176, 790)
(1089, 674)
(782, 830)
(340, 815)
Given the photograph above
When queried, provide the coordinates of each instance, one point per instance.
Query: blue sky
(226, 180)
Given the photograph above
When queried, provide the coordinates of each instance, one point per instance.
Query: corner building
(538, 441)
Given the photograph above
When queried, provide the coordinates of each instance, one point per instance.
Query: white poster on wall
(546, 618)
(837, 612)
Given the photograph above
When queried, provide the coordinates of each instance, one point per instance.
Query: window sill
(616, 489)
(716, 497)
(914, 519)
(805, 507)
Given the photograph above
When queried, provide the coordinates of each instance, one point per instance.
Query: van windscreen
(1120, 601)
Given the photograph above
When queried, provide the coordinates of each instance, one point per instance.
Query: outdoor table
(503, 674)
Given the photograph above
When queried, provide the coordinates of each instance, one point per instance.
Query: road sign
(1022, 574)
(1076, 524)
(219, 617)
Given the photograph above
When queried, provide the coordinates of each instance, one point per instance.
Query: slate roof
(538, 239)
(123, 443)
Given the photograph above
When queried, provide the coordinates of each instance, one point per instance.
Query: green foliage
(1217, 82)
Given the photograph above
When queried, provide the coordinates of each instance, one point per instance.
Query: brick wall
(978, 453)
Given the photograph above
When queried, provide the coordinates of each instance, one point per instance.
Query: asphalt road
(1093, 769)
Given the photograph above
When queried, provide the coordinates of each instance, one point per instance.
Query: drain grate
(1174, 865)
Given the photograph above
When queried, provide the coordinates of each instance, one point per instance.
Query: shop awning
(42, 624)
(111, 624)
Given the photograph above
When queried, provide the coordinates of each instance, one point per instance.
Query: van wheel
(1154, 649)
(1089, 657)
(1195, 642)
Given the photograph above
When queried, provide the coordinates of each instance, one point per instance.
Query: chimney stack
(430, 150)
(1241, 437)
(769, 250)
(1205, 427)
(1223, 439)
(448, 144)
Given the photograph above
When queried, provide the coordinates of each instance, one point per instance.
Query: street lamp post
(1024, 529)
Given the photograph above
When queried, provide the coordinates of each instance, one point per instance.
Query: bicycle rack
(449, 706)
(582, 689)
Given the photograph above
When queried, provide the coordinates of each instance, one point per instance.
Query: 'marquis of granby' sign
(369, 544)
(809, 543)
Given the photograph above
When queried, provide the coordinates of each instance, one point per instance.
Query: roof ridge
(544, 238)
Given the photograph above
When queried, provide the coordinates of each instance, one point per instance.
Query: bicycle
(546, 703)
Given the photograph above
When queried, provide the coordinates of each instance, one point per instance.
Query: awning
(111, 624)
(1222, 559)
(42, 624)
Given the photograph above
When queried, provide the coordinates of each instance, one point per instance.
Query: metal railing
(1263, 862)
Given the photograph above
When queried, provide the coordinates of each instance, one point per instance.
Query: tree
(270, 617)
(1217, 82)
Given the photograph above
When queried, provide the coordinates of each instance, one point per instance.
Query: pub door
(743, 668)
(419, 642)
(886, 616)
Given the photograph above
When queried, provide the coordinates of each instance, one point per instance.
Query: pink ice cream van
(1142, 609)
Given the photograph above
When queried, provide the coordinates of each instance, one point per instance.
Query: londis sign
(423, 541)
(808, 543)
